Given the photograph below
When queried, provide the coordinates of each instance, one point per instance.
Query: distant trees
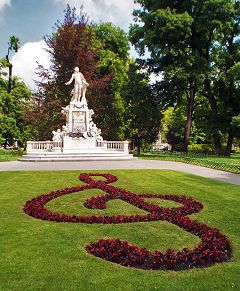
(172, 128)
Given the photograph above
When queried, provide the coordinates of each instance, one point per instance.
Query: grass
(231, 164)
(41, 255)
(9, 155)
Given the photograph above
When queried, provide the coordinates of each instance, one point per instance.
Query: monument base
(79, 144)
(75, 157)
(76, 149)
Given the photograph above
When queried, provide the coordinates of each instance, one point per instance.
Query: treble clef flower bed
(213, 248)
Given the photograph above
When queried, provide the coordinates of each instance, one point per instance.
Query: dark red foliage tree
(72, 44)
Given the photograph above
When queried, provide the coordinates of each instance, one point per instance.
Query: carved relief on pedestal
(79, 122)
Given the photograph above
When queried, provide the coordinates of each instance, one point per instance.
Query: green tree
(142, 113)
(172, 126)
(222, 82)
(114, 61)
(181, 37)
(12, 106)
(13, 45)
(14, 99)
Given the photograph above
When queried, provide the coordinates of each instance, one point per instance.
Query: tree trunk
(214, 117)
(5, 144)
(139, 146)
(10, 78)
(229, 145)
(188, 125)
(218, 145)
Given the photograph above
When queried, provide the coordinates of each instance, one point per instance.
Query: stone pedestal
(78, 118)
(80, 132)
(71, 144)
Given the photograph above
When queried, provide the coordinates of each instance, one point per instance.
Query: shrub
(201, 148)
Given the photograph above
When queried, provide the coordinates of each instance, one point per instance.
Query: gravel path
(115, 165)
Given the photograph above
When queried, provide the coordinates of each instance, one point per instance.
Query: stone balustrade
(39, 146)
(121, 146)
(49, 146)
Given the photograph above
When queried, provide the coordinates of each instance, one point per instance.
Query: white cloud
(25, 61)
(117, 11)
(3, 5)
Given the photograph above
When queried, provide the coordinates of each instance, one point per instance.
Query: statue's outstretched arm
(70, 81)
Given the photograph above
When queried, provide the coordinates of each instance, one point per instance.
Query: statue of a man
(57, 135)
(80, 86)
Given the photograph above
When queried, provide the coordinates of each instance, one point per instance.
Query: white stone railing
(121, 146)
(42, 146)
(48, 146)
(57, 144)
(39, 146)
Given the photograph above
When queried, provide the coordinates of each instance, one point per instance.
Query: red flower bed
(213, 248)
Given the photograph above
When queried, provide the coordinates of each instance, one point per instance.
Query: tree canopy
(14, 99)
(143, 114)
(194, 45)
(12, 107)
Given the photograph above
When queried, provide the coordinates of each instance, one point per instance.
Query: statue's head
(76, 69)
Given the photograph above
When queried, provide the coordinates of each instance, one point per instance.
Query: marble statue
(95, 131)
(80, 86)
(65, 129)
(57, 136)
(80, 129)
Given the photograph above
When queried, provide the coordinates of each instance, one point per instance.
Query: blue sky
(30, 20)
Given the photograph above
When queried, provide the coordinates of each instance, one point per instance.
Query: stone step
(49, 157)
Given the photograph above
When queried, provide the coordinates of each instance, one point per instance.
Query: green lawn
(9, 155)
(42, 255)
(231, 164)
